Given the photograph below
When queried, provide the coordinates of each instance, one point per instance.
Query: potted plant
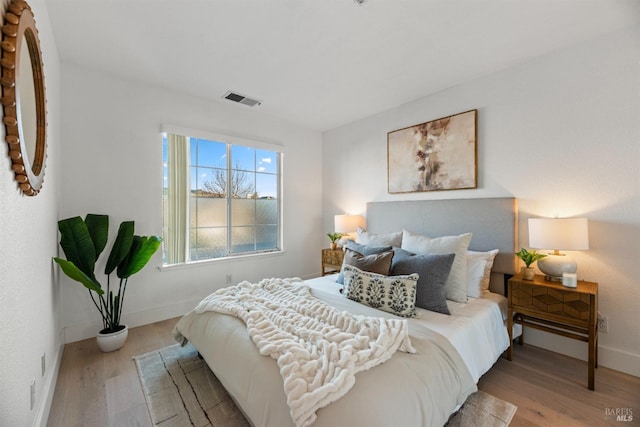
(334, 238)
(529, 257)
(82, 242)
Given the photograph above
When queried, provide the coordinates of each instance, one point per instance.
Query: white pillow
(390, 239)
(475, 274)
(474, 259)
(456, 287)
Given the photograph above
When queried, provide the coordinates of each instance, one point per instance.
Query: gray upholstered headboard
(493, 222)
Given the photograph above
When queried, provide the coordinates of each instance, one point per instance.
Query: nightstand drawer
(561, 304)
(332, 260)
(332, 256)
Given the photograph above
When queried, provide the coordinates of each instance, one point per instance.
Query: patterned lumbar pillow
(394, 294)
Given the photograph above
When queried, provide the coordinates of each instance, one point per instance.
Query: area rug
(181, 390)
(483, 410)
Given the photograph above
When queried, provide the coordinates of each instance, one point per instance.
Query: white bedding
(318, 348)
(476, 329)
(421, 389)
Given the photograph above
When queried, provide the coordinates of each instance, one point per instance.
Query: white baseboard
(84, 331)
(608, 357)
(619, 360)
(49, 388)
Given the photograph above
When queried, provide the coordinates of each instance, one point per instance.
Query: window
(220, 199)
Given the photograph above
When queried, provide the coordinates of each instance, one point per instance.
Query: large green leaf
(142, 250)
(98, 226)
(121, 247)
(77, 245)
(70, 269)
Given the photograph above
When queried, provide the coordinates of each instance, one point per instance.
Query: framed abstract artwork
(434, 156)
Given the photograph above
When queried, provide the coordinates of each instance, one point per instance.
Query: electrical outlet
(33, 394)
(603, 324)
(43, 363)
(228, 279)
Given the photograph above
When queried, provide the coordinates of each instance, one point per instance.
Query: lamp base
(554, 265)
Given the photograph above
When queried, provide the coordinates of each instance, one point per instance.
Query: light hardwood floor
(102, 389)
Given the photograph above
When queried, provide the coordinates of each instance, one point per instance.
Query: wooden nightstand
(551, 307)
(332, 260)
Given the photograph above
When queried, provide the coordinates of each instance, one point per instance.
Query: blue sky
(212, 154)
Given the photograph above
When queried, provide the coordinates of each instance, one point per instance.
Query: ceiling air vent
(241, 99)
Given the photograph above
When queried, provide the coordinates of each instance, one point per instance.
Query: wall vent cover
(241, 99)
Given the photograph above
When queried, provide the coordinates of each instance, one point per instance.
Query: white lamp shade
(569, 234)
(347, 223)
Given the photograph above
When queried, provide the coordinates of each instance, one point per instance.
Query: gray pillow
(433, 271)
(365, 249)
(374, 263)
(361, 249)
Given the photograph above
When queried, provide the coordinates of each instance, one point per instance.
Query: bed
(422, 388)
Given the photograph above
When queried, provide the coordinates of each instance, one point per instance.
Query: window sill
(208, 262)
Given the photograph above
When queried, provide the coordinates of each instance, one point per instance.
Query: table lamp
(346, 224)
(569, 234)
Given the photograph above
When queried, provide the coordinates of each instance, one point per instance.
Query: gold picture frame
(437, 155)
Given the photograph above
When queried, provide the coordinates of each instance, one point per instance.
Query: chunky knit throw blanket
(317, 348)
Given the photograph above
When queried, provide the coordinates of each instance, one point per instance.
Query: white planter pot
(112, 341)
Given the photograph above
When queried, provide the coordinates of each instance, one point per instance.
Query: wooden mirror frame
(19, 32)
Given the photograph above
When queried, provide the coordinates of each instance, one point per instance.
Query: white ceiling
(322, 63)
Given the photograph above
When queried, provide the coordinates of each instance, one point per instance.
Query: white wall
(562, 134)
(112, 154)
(29, 300)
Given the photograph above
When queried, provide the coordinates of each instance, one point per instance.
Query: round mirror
(26, 104)
(23, 97)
